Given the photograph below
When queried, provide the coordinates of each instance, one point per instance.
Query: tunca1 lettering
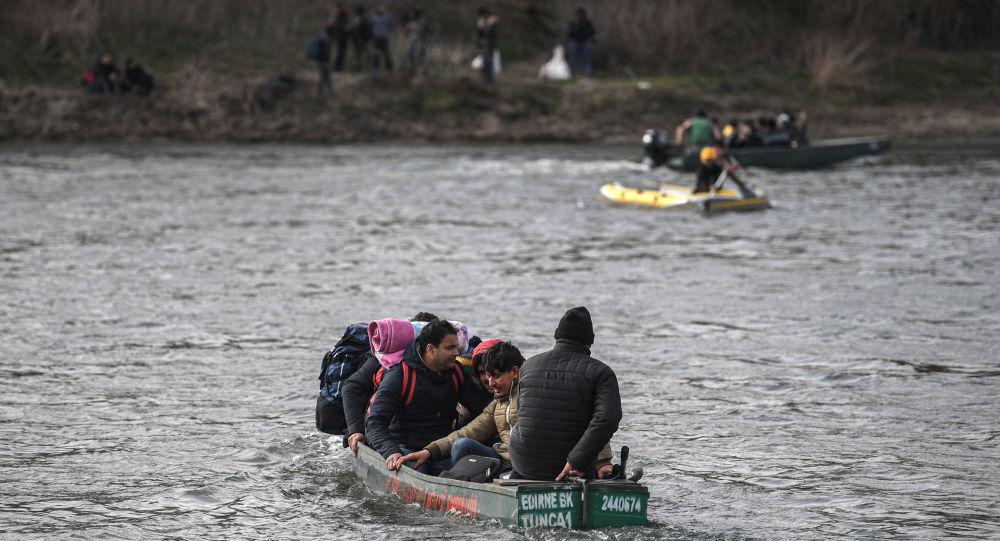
(548, 520)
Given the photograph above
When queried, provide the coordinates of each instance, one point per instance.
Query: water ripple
(824, 369)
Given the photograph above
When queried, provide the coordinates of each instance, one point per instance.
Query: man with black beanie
(568, 406)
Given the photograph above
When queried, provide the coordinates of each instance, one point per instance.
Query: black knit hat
(575, 325)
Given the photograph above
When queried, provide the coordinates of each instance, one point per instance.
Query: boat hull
(813, 156)
(670, 196)
(529, 504)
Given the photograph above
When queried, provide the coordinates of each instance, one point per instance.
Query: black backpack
(475, 469)
(346, 357)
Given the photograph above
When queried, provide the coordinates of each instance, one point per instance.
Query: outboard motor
(656, 143)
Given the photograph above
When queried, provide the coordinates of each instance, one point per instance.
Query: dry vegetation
(835, 42)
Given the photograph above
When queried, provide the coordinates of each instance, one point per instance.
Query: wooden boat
(529, 504)
(670, 196)
(812, 156)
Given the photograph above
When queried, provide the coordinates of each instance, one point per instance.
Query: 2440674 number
(621, 504)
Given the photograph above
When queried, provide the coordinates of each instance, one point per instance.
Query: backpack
(475, 469)
(316, 45)
(347, 355)
(339, 363)
(410, 382)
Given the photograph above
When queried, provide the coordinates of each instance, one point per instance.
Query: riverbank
(391, 107)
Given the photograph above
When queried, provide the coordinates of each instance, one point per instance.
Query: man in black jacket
(357, 395)
(357, 392)
(136, 80)
(581, 33)
(106, 76)
(568, 406)
(415, 401)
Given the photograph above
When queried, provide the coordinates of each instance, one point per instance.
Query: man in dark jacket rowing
(415, 401)
(568, 406)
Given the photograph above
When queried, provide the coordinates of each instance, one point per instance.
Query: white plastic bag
(477, 62)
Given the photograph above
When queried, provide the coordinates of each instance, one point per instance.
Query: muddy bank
(390, 107)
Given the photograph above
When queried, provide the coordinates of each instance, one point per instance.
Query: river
(825, 369)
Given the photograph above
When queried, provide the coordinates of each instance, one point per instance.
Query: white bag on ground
(556, 69)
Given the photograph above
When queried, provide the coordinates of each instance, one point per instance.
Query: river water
(825, 369)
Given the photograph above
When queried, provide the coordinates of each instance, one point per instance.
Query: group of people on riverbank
(105, 78)
(546, 417)
(370, 35)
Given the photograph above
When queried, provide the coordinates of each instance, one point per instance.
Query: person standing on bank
(382, 27)
(581, 33)
(338, 30)
(486, 39)
(568, 406)
(324, 86)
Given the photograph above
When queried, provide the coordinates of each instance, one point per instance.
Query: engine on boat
(656, 144)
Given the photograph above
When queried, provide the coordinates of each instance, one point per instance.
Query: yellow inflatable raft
(671, 196)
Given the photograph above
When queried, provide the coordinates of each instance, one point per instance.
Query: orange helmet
(708, 154)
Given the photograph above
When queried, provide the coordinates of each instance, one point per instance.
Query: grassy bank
(240, 108)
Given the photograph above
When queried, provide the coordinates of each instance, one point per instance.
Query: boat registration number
(621, 504)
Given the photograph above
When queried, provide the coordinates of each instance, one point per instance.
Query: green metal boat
(812, 156)
(529, 504)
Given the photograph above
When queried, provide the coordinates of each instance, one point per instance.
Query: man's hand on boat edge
(568, 469)
(394, 461)
(354, 440)
(418, 458)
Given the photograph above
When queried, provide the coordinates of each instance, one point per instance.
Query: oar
(721, 179)
(745, 189)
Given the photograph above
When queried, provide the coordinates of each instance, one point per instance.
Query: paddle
(721, 179)
(745, 189)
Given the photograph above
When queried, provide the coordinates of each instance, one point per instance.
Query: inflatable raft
(670, 196)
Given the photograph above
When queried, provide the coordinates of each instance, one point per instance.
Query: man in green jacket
(502, 364)
(702, 131)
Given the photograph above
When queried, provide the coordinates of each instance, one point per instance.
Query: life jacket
(346, 357)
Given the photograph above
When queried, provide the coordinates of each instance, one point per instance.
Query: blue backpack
(315, 47)
(344, 359)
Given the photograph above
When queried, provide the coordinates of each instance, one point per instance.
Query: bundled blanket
(390, 337)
